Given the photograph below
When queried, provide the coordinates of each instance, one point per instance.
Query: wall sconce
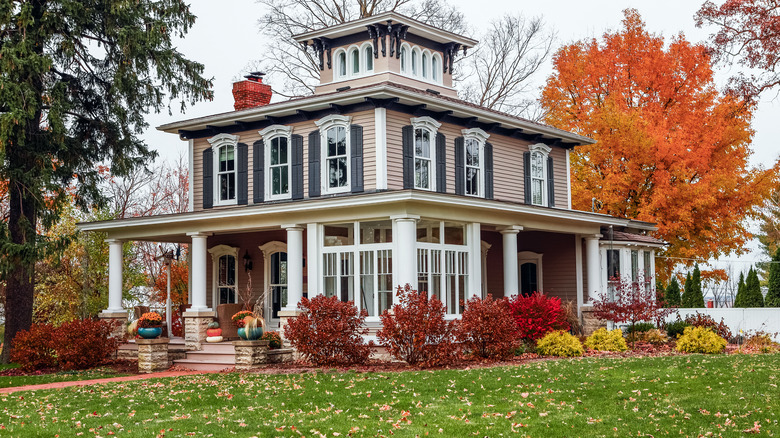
(247, 261)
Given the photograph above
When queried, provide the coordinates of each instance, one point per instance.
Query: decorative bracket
(378, 32)
(450, 50)
(321, 46)
(397, 35)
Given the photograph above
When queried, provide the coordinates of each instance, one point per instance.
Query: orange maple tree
(671, 149)
(179, 279)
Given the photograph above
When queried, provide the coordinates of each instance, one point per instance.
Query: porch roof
(373, 205)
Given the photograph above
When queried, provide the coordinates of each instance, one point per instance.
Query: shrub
(559, 343)
(606, 340)
(760, 342)
(537, 314)
(631, 305)
(487, 328)
(655, 337)
(676, 328)
(415, 331)
(329, 332)
(640, 327)
(700, 340)
(572, 318)
(34, 349)
(273, 338)
(706, 321)
(83, 344)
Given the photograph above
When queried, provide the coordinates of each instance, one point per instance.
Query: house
(382, 177)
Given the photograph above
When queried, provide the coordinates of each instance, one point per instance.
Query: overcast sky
(225, 38)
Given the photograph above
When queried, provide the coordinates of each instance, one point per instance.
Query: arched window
(435, 68)
(415, 61)
(225, 168)
(368, 52)
(355, 61)
(404, 60)
(277, 161)
(425, 65)
(474, 148)
(341, 64)
(538, 173)
(335, 153)
(225, 271)
(425, 129)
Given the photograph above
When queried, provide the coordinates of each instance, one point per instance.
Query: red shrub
(329, 332)
(706, 321)
(34, 349)
(536, 315)
(487, 328)
(415, 330)
(83, 344)
(631, 304)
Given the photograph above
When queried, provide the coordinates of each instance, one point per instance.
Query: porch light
(247, 261)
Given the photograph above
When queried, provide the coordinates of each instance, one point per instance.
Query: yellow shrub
(559, 343)
(700, 340)
(606, 340)
(654, 336)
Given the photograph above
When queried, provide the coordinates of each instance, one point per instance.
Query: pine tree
(687, 291)
(740, 298)
(76, 80)
(697, 299)
(773, 282)
(753, 297)
(672, 294)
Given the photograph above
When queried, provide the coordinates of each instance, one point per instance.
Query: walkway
(57, 385)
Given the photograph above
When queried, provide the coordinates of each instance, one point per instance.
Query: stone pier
(152, 355)
(250, 354)
(195, 325)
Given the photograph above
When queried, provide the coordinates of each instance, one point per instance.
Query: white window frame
(544, 151)
(338, 63)
(414, 64)
(351, 63)
(432, 126)
(268, 135)
(216, 253)
(269, 249)
(324, 124)
(480, 137)
(436, 71)
(405, 59)
(364, 58)
(218, 142)
(449, 260)
(530, 257)
(425, 65)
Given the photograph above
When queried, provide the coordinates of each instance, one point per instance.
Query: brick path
(57, 385)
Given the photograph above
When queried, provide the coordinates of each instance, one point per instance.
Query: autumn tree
(76, 80)
(670, 148)
(747, 33)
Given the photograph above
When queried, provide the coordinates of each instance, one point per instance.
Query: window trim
(324, 124)
(218, 252)
(480, 137)
(432, 126)
(338, 62)
(424, 253)
(524, 257)
(217, 143)
(268, 135)
(544, 150)
(364, 59)
(351, 73)
(405, 59)
(436, 76)
(268, 249)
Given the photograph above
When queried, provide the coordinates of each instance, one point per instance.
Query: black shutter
(488, 171)
(527, 173)
(460, 167)
(297, 167)
(258, 172)
(314, 164)
(441, 163)
(208, 178)
(550, 183)
(356, 156)
(408, 152)
(242, 183)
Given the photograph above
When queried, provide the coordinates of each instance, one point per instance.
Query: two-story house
(382, 177)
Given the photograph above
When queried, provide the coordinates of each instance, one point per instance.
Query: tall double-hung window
(335, 153)
(225, 274)
(277, 159)
(538, 170)
(224, 147)
(425, 129)
(474, 161)
(443, 263)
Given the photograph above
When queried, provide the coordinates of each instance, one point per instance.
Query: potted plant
(150, 325)
(250, 327)
(213, 332)
(238, 318)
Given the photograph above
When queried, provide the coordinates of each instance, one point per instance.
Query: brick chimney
(251, 92)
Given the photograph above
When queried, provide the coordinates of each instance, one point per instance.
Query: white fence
(748, 320)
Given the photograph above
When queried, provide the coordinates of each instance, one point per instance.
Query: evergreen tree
(76, 79)
(697, 299)
(773, 282)
(687, 291)
(740, 298)
(753, 297)
(672, 294)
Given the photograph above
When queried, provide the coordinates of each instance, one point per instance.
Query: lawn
(61, 376)
(681, 395)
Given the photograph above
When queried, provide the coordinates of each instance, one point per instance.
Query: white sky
(225, 38)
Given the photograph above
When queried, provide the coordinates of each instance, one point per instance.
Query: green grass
(61, 376)
(680, 396)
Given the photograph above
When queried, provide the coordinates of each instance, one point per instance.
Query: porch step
(213, 357)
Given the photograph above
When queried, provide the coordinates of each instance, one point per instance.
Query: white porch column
(593, 263)
(115, 280)
(313, 240)
(509, 235)
(474, 236)
(405, 238)
(294, 265)
(578, 272)
(199, 269)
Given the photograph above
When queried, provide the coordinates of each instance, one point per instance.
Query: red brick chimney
(251, 92)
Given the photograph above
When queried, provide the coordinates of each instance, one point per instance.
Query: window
(435, 75)
(474, 148)
(355, 61)
(425, 129)
(341, 64)
(277, 161)
(424, 65)
(415, 61)
(647, 274)
(225, 167)
(613, 271)
(275, 278)
(404, 60)
(335, 153)
(530, 271)
(635, 269)
(225, 274)
(538, 170)
(368, 53)
(442, 267)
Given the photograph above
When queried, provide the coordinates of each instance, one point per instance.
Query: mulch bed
(117, 366)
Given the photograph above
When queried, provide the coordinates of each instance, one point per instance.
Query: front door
(528, 278)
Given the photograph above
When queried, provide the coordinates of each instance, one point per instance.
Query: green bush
(559, 343)
(675, 329)
(640, 327)
(606, 340)
(700, 340)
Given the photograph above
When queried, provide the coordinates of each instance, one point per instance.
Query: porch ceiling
(270, 216)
